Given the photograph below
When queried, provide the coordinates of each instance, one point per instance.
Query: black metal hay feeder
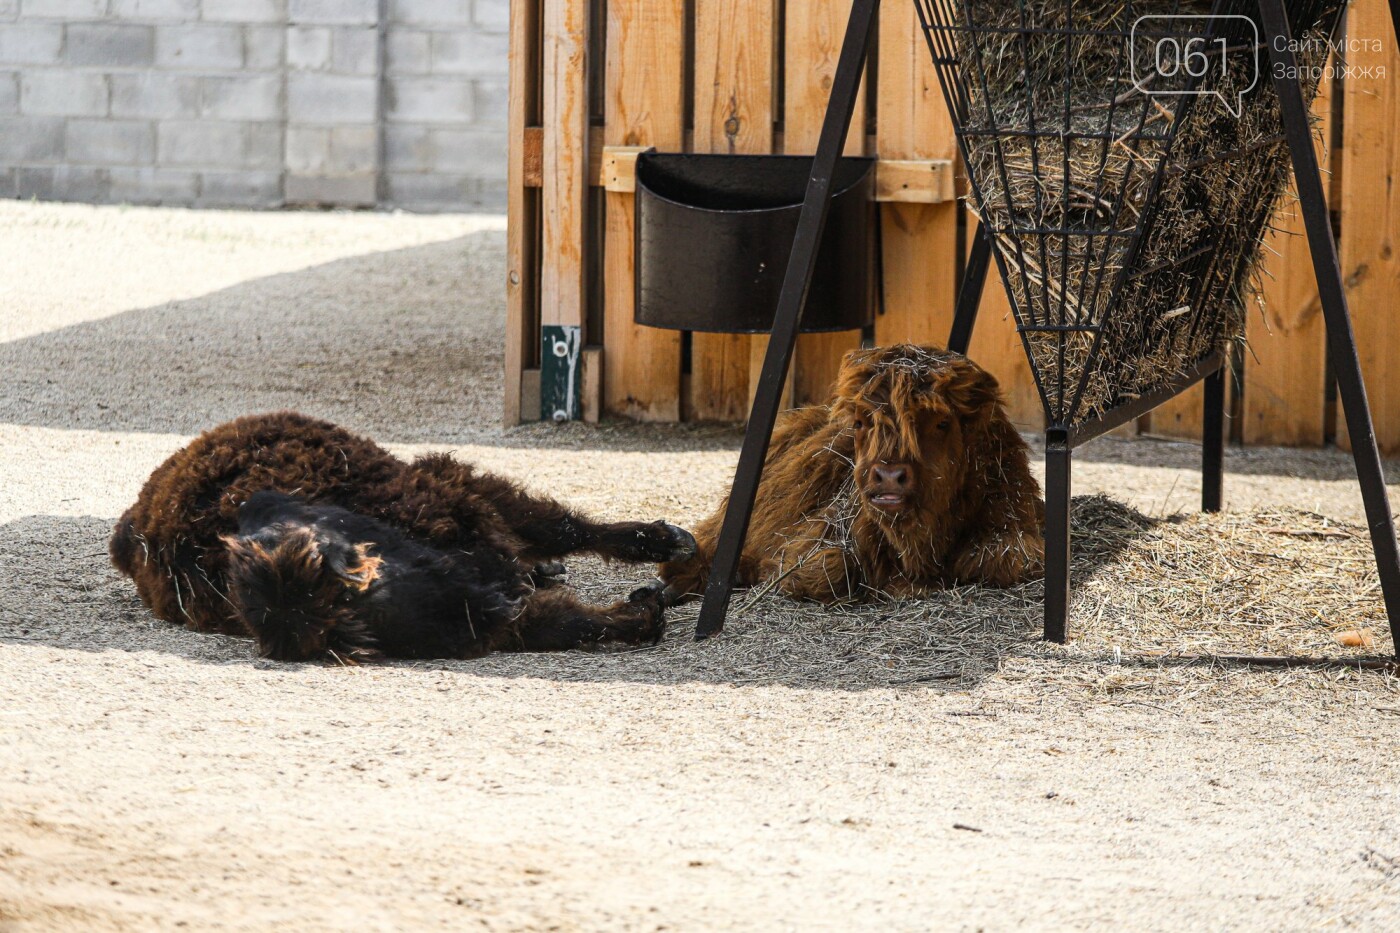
(713, 238)
(1123, 216)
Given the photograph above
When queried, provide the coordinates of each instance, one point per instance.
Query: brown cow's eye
(945, 424)
(860, 424)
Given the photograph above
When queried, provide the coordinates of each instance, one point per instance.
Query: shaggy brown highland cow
(910, 478)
(320, 544)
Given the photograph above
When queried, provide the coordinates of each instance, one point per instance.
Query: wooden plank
(521, 304)
(1370, 212)
(1285, 366)
(735, 59)
(1285, 363)
(920, 241)
(565, 191)
(532, 146)
(591, 379)
(645, 108)
(900, 181)
(815, 30)
(998, 348)
(915, 181)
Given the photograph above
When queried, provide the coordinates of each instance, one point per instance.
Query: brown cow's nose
(891, 474)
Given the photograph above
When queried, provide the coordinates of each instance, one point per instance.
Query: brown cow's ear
(972, 391)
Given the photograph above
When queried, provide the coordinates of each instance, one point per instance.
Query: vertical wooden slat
(734, 84)
(1371, 211)
(1285, 364)
(998, 348)
(521, 305)
(645, 107)
(920, 240)
(566, 177)
(814, 33)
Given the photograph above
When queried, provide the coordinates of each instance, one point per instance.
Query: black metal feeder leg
(1213, 443)
(1341, 341)
(970, 294)
(801, 263)
(1058, 456)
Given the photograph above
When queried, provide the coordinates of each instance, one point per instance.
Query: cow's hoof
(549, 574)
(680, 542)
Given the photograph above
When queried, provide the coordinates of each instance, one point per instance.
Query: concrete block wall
(255, 103)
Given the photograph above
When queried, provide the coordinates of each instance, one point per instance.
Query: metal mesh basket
(1124, 195)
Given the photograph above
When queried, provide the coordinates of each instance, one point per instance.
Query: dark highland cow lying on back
(909, 478)
(320, 544)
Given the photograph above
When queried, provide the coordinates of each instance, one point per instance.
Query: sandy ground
(154, 778)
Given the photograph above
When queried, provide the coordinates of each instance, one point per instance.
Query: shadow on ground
(75, 600)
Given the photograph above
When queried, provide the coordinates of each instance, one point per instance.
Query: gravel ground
(154, 778)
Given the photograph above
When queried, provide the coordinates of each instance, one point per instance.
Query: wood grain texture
(1285, 364)
(920, 241)
(815, 32)
(645, 107)
(735, 61)
(521, 263)
(1371, 215)
(566, 177)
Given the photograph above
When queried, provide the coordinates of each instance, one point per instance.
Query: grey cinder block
(465, 53)
(324, 98)
(256, 97)
(240, 189)
(63, 93)
(31, 139)
(429, 100)
(491, 102)
(334, 12)
(345, 191)
(63, 183)
(430, 192)
(491, 15)
(149, 185)
(265, 146)
(199, 47)
(9, 93)
(309, 47)
(308, 149)
(110, 142)
(63, 9)
(354, 149)
(407, 52)
(407, 148)
(30, 43)
(432, 12)
(154, 95)
(109, 44)
(479, 153)
(182, 11)
(243, 11)
(201, 142)
(264, 47)
(355, 50)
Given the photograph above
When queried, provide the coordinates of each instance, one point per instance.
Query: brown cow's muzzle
(890, 486)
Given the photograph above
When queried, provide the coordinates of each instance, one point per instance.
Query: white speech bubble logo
(1185, 55)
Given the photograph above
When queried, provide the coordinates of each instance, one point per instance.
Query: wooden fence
(595, 81)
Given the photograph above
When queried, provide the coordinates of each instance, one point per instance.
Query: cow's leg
(824, 574)
(550, 529)
(557, 620)
(1000, 557)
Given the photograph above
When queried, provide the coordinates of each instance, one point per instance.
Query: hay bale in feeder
(1126, 199)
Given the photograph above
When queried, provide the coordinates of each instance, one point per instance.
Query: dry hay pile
(1158, 597)
(1217, 179)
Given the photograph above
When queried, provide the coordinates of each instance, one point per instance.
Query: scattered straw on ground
(1158, 603)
